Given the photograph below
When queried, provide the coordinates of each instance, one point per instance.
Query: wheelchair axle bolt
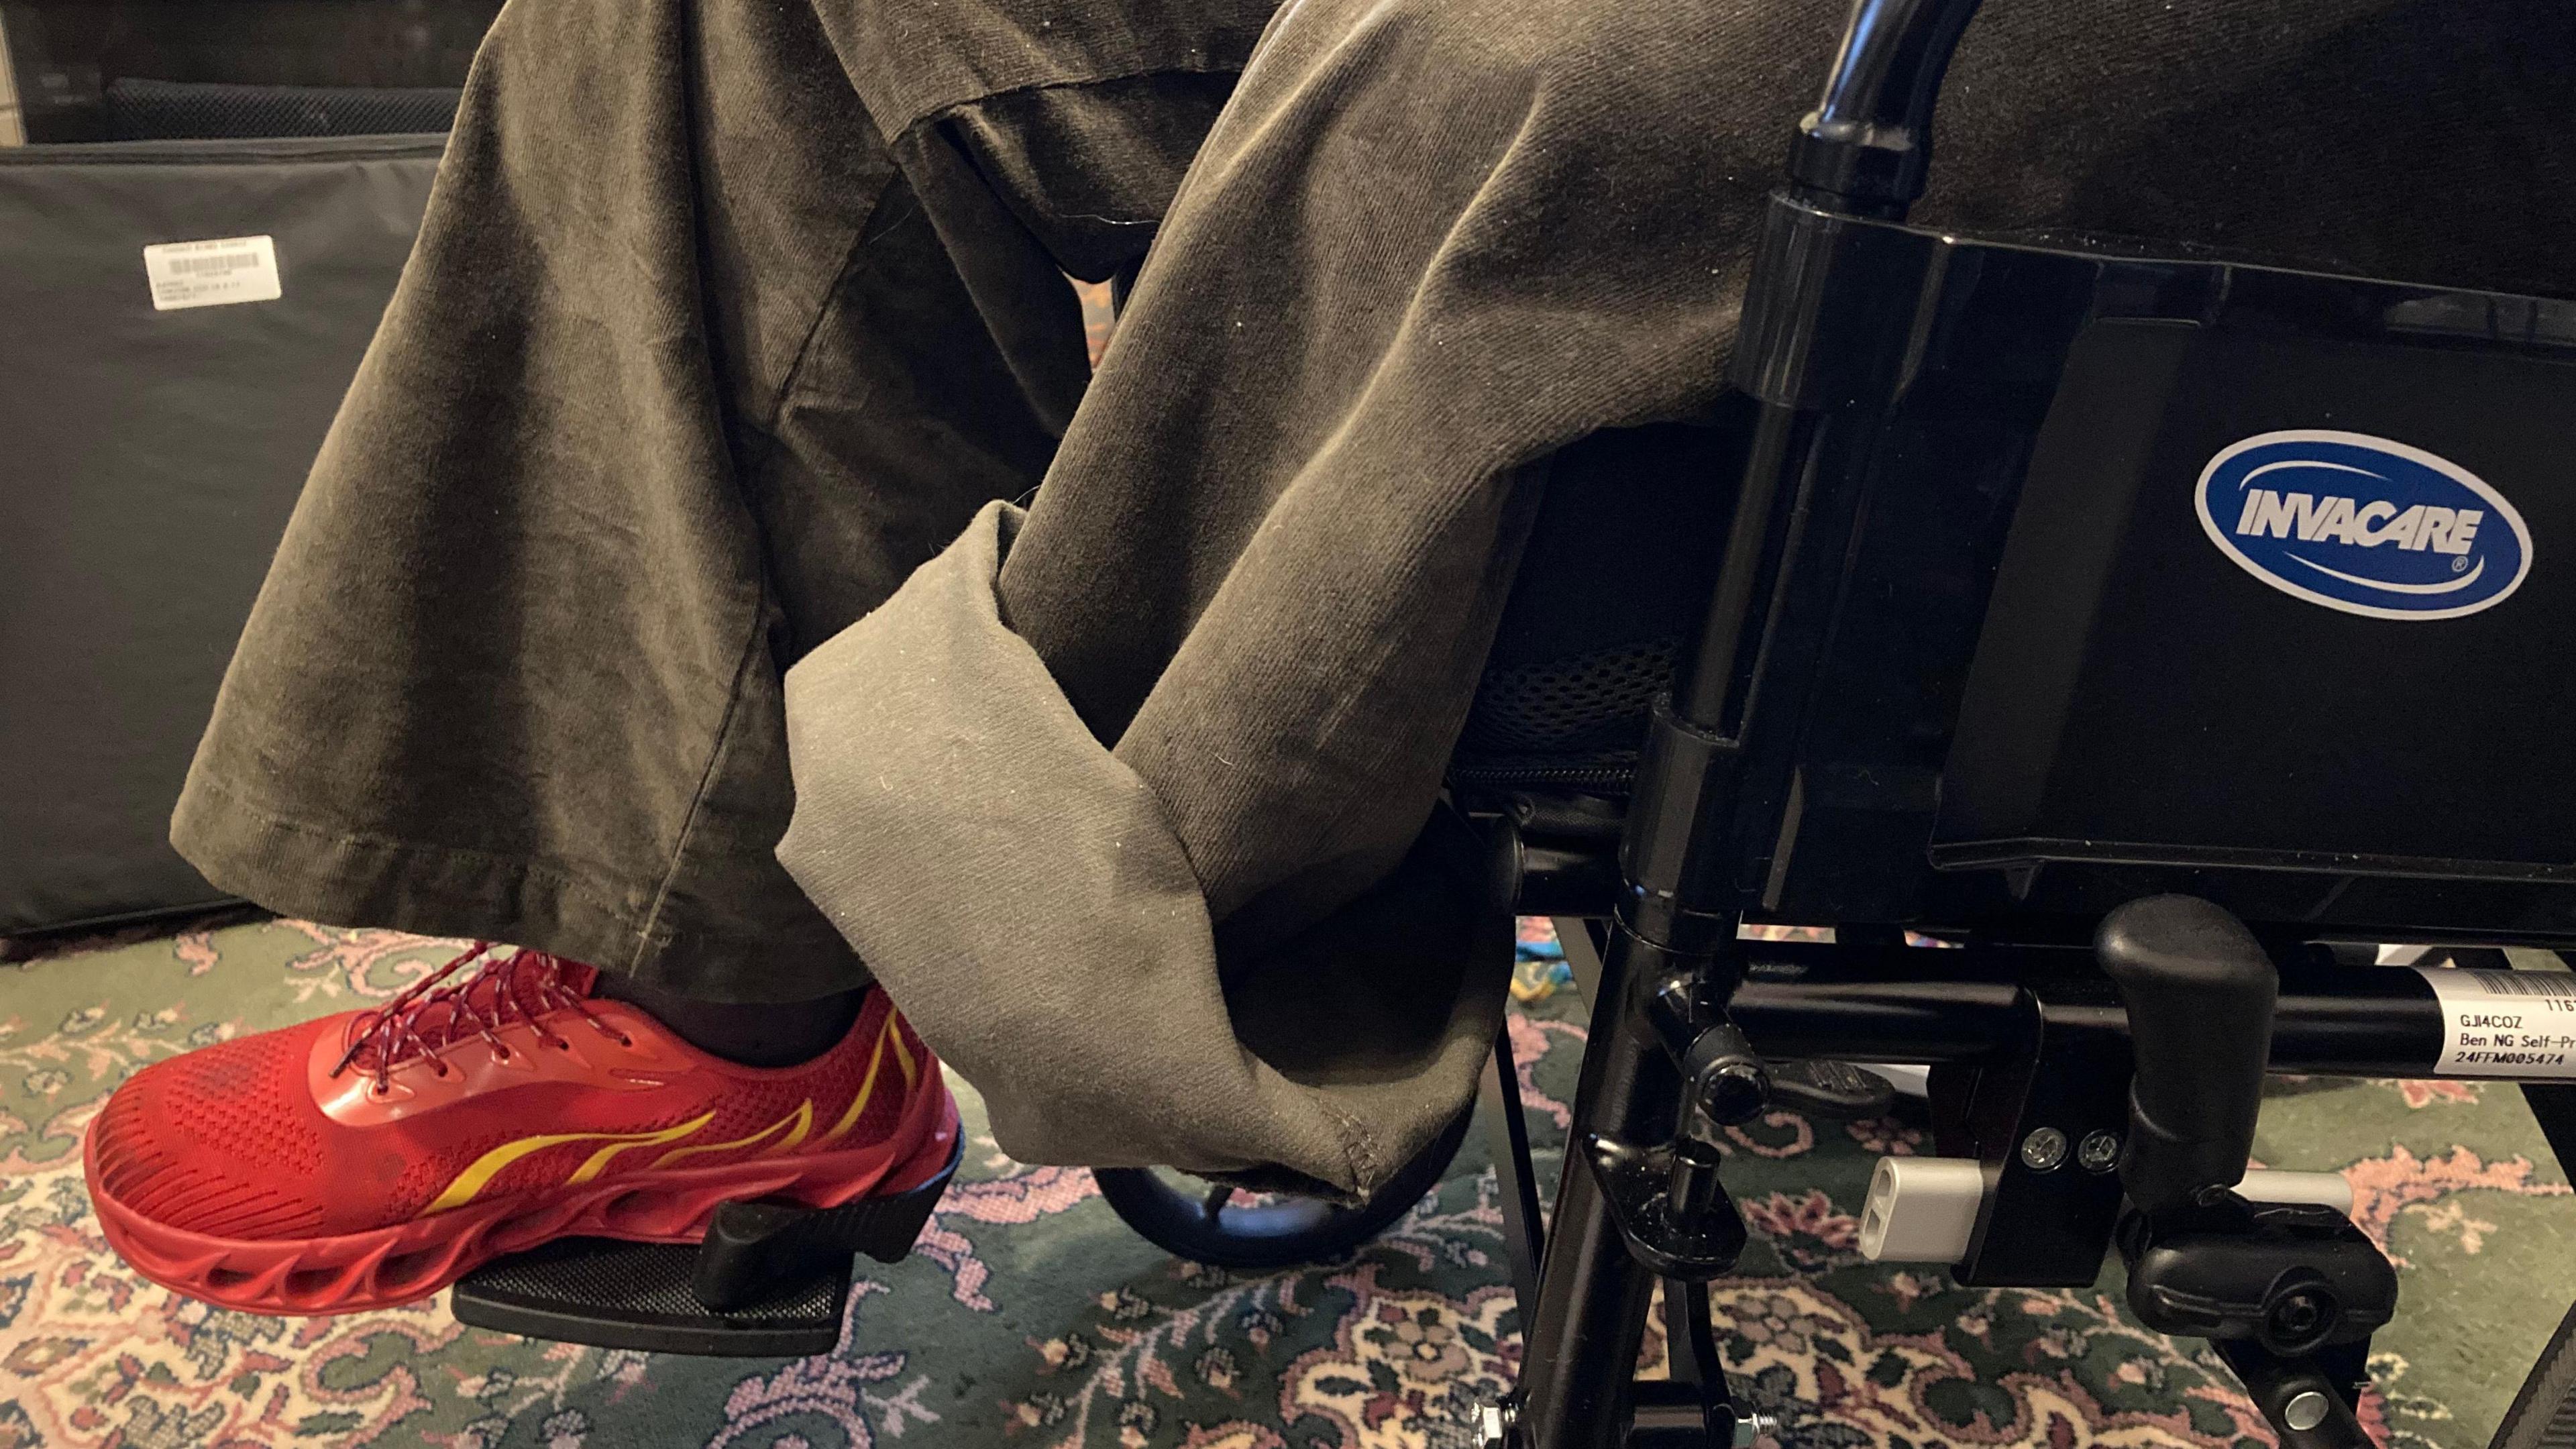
(1752, 1428)
(2043, 1149)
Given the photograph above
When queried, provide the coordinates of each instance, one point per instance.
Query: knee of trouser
(1722, 80)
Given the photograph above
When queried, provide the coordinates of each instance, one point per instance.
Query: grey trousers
(727, 317)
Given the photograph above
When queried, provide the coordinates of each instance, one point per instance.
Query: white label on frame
(2505, 1023)
(212, 273)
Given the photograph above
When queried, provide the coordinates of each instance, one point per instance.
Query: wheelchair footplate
(770, 1280)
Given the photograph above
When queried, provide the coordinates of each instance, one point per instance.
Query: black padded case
(148, 461)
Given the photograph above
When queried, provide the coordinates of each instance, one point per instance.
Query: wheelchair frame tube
(1895, 1004)
(1866, 147)
(1576, 1387)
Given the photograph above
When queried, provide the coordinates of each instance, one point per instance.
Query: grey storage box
(148, 461)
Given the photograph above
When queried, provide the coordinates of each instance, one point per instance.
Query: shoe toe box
(224, 1140)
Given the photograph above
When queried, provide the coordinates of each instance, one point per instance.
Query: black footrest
(770, 1281)
(636, 1295)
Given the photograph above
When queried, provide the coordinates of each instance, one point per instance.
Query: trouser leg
(688, 371)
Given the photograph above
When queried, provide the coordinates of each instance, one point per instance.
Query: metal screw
(2099, 1151)
(2305, 1411)
(1752, 1427)
(2298, 1321)
(2043, 1149)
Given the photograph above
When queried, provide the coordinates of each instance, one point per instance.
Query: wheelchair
(2125, 623)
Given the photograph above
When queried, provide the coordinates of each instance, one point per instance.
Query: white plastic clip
(1924, 1209)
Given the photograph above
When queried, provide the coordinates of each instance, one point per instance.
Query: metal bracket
(1667, 1201)
(1700, 1242)
(2045, 1122)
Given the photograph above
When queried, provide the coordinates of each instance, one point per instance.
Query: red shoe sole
(404, 1263)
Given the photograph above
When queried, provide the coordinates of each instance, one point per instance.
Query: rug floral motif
(1031, 1316)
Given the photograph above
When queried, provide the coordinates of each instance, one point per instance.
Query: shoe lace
(434, 1012)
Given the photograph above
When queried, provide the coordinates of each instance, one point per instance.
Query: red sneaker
(374, 1157)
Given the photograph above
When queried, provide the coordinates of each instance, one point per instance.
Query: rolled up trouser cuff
(1017, 890)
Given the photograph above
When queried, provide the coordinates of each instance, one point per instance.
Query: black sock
(759, 1034)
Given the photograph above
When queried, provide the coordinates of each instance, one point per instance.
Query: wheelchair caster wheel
(1205, 1223)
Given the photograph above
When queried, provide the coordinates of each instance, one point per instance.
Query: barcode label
(212, 273)
(224, 262)
(2559, 984)
(2505, 1023)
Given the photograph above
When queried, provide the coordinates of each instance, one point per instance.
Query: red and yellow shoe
(373, 1158)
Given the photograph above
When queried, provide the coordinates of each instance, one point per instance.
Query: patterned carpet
(1031, 1316)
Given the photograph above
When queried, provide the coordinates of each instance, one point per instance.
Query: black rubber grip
(2199, 991)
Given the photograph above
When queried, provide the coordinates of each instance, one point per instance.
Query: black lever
(2199, 990)
(2281, 1291)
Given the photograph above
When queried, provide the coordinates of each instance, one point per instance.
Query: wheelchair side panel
(2142, 693)
(2011, 671)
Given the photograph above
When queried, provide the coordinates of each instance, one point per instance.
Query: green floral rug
(1031, 1316)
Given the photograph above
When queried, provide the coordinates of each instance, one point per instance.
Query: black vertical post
(2553, 1105)
(1514, 1178)
(1580, 1344)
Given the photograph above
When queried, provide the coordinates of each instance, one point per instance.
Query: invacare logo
(2364, 525)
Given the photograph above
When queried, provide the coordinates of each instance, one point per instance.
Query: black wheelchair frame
(1972, 668)
(1973, 451)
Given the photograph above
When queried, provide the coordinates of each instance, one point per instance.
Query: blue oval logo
(2363, 525)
